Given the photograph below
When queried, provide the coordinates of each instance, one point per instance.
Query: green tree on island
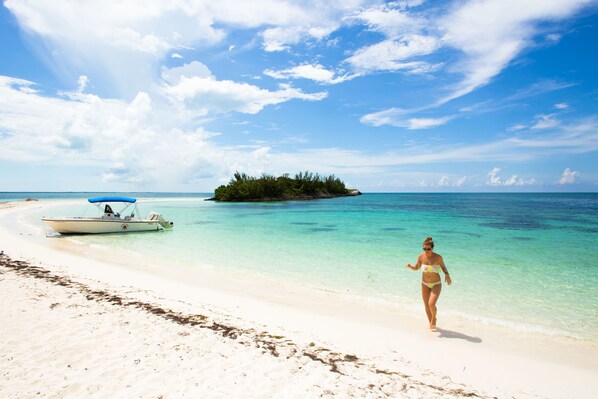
(304, 185)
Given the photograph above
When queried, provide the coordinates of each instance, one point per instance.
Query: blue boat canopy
(112, 199)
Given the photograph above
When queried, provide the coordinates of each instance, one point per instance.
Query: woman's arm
(417, 265)
(447, 277)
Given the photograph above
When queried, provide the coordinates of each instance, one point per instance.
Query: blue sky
(478, 95)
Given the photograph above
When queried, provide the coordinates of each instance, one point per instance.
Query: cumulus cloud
(317, 73)
(445, 181)
(568, 176)
(195, 91)
(203, 95)
(495, 180)
(193, 69)
(136, 142)
(83, 81)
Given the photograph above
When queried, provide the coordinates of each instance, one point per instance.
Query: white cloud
(190, 70)
(459, 182)
(445, 181)
(539, 88)
(409, 3)
(317, 73)
(541, 121)
(390, 55)
(296, 22)
(280, 39)
(553, 37)
(203, 95)
(495, 180)
(487, 34)
(568, 176)
(120, 45)
(391, 22)
(135, 143)
(517, 127)
(195, 91)
(514, 181)
(82, 81)
(545, 122)
(491, 34)
(399, 117)
(424, 123)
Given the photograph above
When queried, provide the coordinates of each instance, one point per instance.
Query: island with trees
(267, 188)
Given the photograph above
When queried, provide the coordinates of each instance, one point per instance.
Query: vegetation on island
(284, 188)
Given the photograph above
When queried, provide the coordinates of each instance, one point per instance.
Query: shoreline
(266, 343)
(380, 343)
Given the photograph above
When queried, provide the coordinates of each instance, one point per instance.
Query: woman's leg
(433, 298)
(426, 297)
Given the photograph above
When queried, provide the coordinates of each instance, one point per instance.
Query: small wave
(517, 326)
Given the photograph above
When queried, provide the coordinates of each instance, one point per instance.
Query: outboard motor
(166, 224)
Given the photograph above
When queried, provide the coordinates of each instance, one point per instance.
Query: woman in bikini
(431, 264)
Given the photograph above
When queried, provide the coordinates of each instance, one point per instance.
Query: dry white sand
(79, 322)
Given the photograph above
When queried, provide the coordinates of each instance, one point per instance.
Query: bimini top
(112, 199)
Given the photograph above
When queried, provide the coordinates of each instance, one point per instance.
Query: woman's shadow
(454, 334)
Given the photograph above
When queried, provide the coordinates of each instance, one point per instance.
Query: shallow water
(525, 261)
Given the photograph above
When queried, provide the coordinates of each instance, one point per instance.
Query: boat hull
(99, 226)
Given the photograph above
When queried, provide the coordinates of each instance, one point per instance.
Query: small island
(267, 188)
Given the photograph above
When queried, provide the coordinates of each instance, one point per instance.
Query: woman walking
(431, 264)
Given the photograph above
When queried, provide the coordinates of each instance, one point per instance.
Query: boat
(109, 221)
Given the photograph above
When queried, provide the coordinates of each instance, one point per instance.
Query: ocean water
(525, 261)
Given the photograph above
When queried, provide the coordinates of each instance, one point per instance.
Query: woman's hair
(429, 241)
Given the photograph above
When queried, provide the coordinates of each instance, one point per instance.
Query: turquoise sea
(523, 261)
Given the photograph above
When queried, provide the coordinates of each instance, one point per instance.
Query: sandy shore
(79, 322)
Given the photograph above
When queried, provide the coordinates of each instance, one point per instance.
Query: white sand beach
(80, 322)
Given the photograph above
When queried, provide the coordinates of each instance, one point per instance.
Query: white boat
(109, 221)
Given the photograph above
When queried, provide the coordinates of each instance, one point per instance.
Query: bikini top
(431, 269)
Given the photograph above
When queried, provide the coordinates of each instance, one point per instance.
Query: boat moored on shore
(109, 221)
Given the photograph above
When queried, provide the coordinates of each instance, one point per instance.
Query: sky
(389, 96)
